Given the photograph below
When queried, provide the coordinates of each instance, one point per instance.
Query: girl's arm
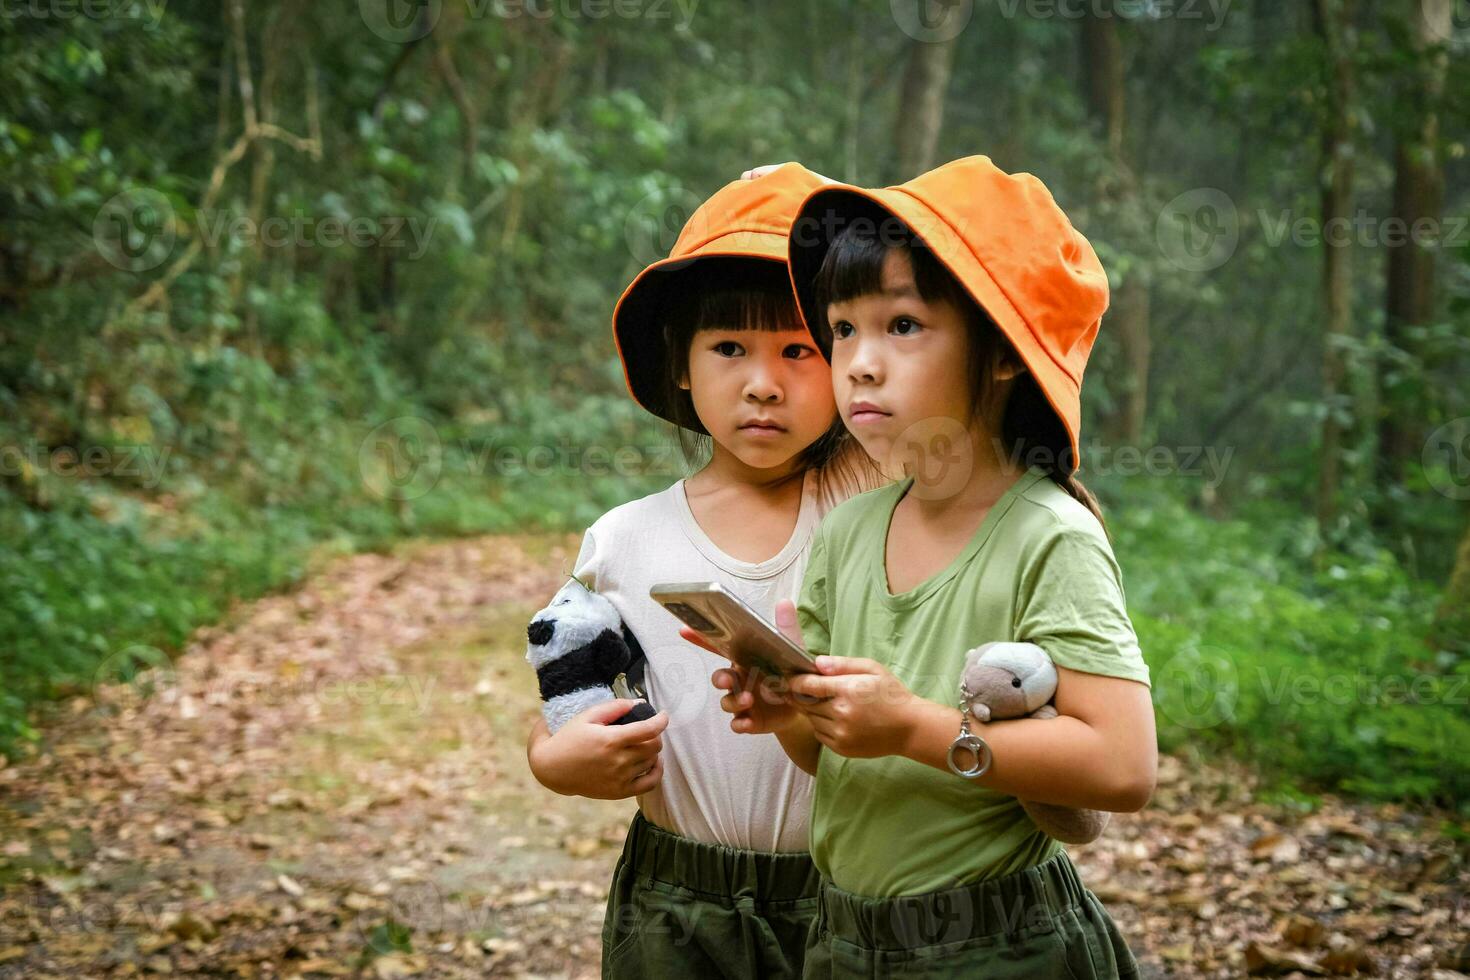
(801, 745)
(1100, 752)
(764, 169)
(589, 756)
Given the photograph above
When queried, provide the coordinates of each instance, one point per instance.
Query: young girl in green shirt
(958, 311)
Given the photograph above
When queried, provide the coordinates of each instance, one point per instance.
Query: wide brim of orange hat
(637, 318)
(827, 210)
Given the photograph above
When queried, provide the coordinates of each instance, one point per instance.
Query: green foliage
(1318, 672)
(387, 937)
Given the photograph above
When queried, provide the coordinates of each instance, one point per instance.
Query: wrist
(800, 744)
(789, 724)
(930, 729)
(795, 726)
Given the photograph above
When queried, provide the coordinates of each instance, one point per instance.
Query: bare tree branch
(255, 130)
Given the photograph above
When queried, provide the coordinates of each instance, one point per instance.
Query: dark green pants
(680, 908)
(1040, 922)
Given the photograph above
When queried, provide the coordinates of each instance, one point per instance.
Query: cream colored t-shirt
(718, 786)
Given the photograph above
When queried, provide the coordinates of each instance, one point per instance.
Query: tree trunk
(1418, 192)
(921, 105)
(1103, 84)
(468, 131)
(1334, 22)
(1131, 314)
(852, 124)
(1102, 75)
(1452, 623)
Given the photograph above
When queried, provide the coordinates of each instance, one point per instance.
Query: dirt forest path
(332, 783)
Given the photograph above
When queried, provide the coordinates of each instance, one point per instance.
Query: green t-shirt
(1039, 568)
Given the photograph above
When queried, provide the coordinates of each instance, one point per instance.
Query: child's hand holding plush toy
(1015, 680)
(582, 652)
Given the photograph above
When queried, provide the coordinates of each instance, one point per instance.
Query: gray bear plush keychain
(1018, 680)
(584, 655)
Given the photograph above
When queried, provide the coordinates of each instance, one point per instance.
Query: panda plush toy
(584, 655)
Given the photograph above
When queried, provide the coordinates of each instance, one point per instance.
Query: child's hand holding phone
(853, 706)
(761, 703)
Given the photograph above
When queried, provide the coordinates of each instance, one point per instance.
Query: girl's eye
(841, 330)
(798, 351)
(905, 327)
(727, 348)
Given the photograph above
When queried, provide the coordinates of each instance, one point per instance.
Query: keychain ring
(977, 747)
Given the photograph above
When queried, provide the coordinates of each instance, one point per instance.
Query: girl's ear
(1009, 368)
(684, 381)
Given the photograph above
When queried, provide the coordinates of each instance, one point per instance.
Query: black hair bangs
(730, 293)
(854, 263)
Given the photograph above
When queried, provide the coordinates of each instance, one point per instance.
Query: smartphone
(737, 630)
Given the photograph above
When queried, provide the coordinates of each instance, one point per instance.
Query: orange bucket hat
(1005, 240)
(748, 219)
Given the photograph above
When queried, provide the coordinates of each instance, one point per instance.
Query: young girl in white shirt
(715, 877)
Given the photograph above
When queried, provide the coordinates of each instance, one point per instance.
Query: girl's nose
(863, 368)
(762, 390)
(762, 386)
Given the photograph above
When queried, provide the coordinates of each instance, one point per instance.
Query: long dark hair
(1030, 428)
(736, 293)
